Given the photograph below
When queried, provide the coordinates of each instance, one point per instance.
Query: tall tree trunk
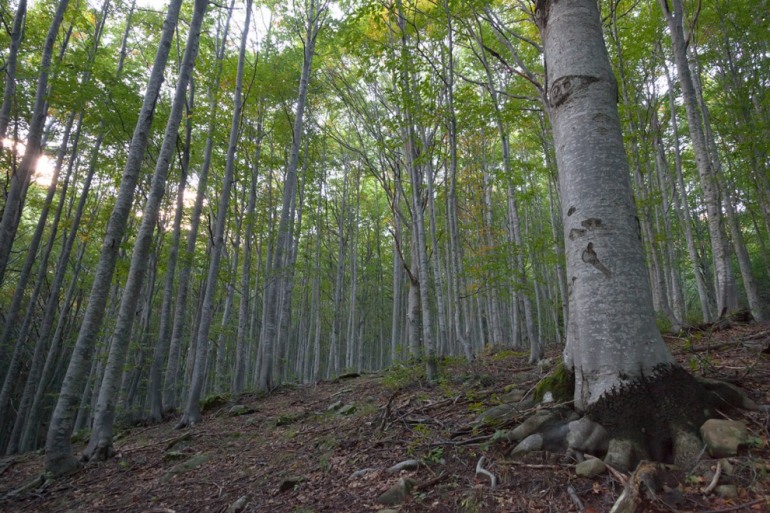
(239, 378)
(17, 34)
(160, 351)
(100, 442)
(192, 413)
(613, 345)
(315, 16)
(59, 458)
(725, 293)
(171, 378)
(683, 209)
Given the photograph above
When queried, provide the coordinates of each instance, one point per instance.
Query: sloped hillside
(328, 448)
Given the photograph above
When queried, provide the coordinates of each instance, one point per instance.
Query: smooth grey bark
(14, 200)
(239, 376)
(100, 443)
(171, 379)
(682, 207)
(315, 18)
(218, 378)
(192, 413)
(398, 280)
(36, 363)
(612, 337)
(725, 293)
(744, 260)
(352, 342)
(11, 325)
(164, 331)
(17, 34)
(31, 424)
(59, 458)
(416, 179)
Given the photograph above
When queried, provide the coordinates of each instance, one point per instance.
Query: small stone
(239, 409)
(529, 444)
(239, 505)
(591, 467)
(336, 405)
(186, 466)
(513, 396)
(723, 437)
(289, 483)
(727, 491)
(397, 493)
(542, 420)
(348, 409)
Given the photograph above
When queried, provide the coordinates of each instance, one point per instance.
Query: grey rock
(496, 415)
(543, 420)
(587, 436)
(348, 409)
(727, 491)
(531, 443)
(397, 493)
(336, 405)
(513, 396)
(619, 454)
(591, 467)
(239, 409)
(723, 437)
(186, 466)
(239, 505)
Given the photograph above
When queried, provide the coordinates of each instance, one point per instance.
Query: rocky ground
(331, 448)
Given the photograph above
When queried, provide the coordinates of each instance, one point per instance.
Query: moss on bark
(560, 382)
(656, 414)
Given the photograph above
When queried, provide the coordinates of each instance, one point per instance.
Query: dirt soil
(297, 450)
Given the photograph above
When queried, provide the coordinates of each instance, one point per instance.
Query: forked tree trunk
(625, 376)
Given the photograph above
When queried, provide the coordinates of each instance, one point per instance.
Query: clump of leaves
(560, 382)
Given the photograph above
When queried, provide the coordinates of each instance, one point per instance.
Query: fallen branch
(714, 481)
(575, 499)
(481, 470)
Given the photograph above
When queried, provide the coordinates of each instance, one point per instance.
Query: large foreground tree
(625, 377)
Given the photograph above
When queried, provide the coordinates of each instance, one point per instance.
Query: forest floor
(296, 450)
